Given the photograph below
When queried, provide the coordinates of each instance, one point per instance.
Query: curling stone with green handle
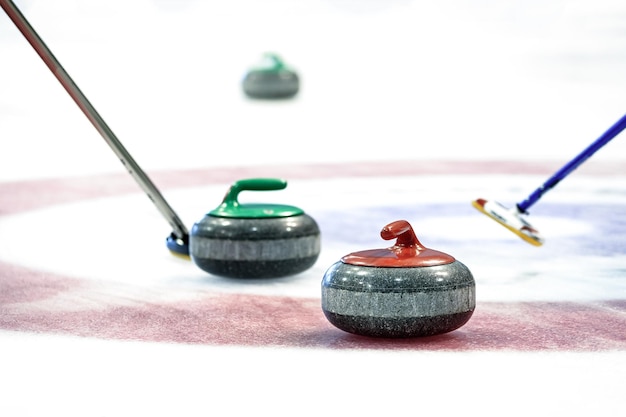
(406, 290)
(255, 240)
(271, 79)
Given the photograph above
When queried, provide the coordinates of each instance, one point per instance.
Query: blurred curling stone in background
(271, 79)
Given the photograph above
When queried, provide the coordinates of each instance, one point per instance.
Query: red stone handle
(402, 230)
(407, 251)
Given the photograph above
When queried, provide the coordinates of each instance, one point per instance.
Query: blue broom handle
(573, 164)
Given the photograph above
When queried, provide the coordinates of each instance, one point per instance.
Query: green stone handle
(270, 63)
(252, 184)
(231, 207)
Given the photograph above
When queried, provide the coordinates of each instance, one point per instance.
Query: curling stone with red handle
(406, 290)
(255, 240)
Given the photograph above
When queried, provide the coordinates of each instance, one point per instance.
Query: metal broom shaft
(83, 103)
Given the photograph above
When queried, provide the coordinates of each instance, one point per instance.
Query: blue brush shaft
(573, 164)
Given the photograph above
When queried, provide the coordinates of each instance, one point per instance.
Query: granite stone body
(398, 302)
(255, 247)
(271, 84)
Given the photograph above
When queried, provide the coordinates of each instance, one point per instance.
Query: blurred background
(395, 79)
(381, 81)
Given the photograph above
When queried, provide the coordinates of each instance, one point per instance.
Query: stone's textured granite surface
(398, 327)
(398, 302)
(255, 248)
(271, 85)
